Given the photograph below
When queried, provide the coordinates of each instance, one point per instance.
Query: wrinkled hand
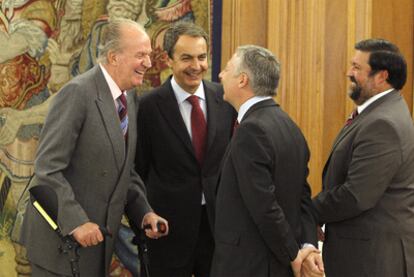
(152, 219)
(296, 264)
(312, 266)
(88, 234)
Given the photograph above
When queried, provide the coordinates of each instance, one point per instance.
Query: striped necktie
(123, 113)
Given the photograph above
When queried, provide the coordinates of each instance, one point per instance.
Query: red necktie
(198, 128)
(123, 114)
(351, 117)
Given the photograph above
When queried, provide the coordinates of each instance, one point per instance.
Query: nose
(195, 64)
(349, 72)
(147, 61)
(221, 76)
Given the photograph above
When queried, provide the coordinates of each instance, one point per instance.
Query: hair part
(384, 55)
(262, 68)
(182, 28)
(112, 37)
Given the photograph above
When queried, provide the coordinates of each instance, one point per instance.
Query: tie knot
(351, 117)
(193, 100)
(123, 100)
(354, 114)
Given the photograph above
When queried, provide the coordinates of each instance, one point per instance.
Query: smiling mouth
(139, 72)
(194, 75)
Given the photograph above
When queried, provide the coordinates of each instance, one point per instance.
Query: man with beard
(184, 127)
(367, 202)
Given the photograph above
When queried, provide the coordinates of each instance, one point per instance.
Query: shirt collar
(113, 87)
(248, 104)
(181, 95)
(372, 100)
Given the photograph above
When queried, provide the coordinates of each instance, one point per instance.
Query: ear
(243, 80)
(169, 61)
(112, 58)
(382, 76)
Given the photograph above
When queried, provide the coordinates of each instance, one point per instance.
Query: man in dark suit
(263, 197)
(86, 155)
(367, 202)
(181, 147)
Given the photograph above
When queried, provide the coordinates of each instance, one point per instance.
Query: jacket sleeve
(57, 143)
(308, 220)
(137, 204)
(376, 157)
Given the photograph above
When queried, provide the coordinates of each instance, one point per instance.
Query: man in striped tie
(85, 156)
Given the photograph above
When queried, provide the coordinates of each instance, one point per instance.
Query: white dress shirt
(248, 104)
(371, 100)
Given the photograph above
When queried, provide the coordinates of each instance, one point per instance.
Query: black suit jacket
(263, 197)
(367, 200)
(167, 163)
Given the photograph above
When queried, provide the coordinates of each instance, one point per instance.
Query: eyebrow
(189, 55)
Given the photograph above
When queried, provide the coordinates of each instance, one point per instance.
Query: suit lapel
(168, 108)
(356, 122)
(105, 104)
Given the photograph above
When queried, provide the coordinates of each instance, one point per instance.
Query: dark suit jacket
(82, 156)
(165, 160)
(367, 201)
(263, 197)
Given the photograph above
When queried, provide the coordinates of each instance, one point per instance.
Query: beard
(355, 90)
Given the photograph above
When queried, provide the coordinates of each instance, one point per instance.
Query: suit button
(104, 173)
(272, 188)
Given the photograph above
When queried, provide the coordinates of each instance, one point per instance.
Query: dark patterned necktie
(123, 114)
(235, 126)
(351, 117)
(198, 128)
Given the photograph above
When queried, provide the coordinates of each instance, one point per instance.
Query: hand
(296, 264)
(321, 234)
(152, 219)
(88, 234)
(312, 266)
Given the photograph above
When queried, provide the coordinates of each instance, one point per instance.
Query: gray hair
(111, 37)
(262, 68)
(182, 28)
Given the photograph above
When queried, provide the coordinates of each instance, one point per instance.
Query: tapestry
(43, 44)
